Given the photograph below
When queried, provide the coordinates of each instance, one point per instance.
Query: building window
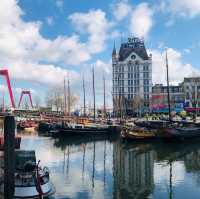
(133, 57)
(146, 75)
(146, 82)
(146, 89)
(132, 89)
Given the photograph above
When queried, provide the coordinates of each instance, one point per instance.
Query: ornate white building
(132, 78)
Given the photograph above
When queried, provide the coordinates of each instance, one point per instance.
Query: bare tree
(137, 104)
(55, 98)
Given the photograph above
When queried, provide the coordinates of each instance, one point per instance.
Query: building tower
(132, 78)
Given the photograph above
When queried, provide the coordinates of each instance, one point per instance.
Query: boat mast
(104, 97)
(68, 95)
(65, 99)
(84, 109)
(168, 94)
(93, 94)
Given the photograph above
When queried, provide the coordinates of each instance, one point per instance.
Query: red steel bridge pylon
(4, 72)
(25, 92)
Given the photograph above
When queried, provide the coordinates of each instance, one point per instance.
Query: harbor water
(105, 167)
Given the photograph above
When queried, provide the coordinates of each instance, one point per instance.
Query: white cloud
(114, 34)
(96, 25)
(185, 8)
(103, 66)
(179, 8)
(22, 40)
(23, 48)
(40, 73)
(141, 20)
(177, 68)
(50, 20)
(121, 10)
(61, 49)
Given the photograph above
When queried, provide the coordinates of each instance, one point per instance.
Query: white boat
(31, 180)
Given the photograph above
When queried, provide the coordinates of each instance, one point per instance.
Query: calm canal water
(107, 168)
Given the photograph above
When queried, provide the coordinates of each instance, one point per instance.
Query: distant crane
(25, 92)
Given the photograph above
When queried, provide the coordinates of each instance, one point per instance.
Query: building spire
(114, 50)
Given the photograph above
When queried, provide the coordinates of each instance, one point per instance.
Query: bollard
(9, 157)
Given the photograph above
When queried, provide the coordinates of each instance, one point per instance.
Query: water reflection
(104, 167)
(133, 171)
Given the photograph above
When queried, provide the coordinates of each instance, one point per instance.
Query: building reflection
(133, 171)
(192, 161)
(192, 164)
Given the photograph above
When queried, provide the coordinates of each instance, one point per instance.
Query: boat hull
(181, 133)
(138, 135)
(31, 192)
(83, 131)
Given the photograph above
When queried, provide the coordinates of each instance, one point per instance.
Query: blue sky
(41, 41)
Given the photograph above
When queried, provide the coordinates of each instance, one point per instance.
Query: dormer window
(133, 57)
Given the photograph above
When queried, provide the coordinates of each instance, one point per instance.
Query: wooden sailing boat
(147, 129)
(89, 128)
(159, 124)
(179, 130)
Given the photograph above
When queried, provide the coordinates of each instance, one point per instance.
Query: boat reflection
(94, 162)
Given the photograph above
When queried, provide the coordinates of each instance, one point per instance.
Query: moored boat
(136, 133)
(26, 125)
(152, 124)
(81, 129)
(181, 132)
(31, 180)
